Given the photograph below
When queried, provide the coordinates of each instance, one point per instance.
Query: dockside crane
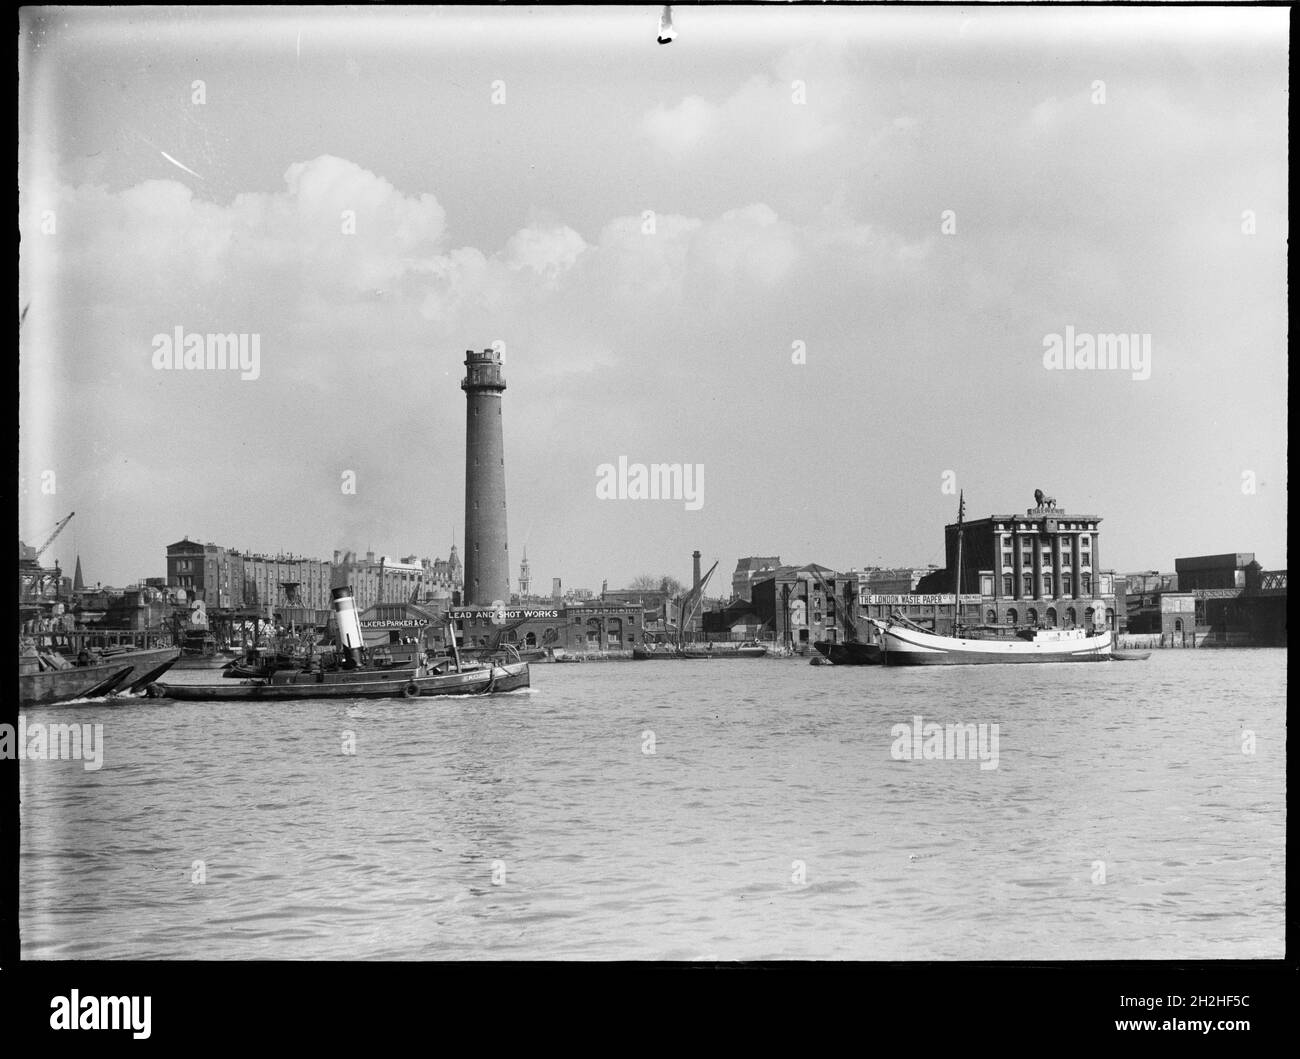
(50, 539)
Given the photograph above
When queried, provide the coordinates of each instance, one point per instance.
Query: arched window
(1178, 625)
(991, 617)
(1031, 616)
(530, 640)
(1071, 619)
(1110, 617)
(1012, 616)
(1051, 617)
(1087, 616)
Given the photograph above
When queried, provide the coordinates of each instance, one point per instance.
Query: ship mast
(961, 533)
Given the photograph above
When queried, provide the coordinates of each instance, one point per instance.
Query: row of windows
(1027, 584)
(1027, 560)
(1069, 526)
(1028, 542)
(1049, 617)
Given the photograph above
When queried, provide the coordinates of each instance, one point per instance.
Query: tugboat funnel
(345, 612)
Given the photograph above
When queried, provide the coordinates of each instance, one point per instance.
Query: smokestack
(487, 572)
(345, 613)
(695, 556)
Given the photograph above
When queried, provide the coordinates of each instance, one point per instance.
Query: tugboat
(356, 672)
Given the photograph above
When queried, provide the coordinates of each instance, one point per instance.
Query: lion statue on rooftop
(1043, 500)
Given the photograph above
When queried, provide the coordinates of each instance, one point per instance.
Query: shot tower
(487, 573)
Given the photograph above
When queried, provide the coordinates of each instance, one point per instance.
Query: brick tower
(487, 573)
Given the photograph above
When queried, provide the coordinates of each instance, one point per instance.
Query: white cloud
(547, 251)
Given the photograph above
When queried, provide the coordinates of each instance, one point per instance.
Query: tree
(650, 583)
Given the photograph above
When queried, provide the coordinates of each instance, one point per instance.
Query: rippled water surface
(769, 822)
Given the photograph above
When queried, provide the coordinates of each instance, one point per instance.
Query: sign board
(510, 615)
(942, 599)
(395, 623)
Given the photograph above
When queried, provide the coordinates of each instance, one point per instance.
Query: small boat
(200, 650)
(660, 652)
(1129, 656)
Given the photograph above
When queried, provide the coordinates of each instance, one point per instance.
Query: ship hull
(60, 685)
(510, 677)
(853, 653)
(908, 647)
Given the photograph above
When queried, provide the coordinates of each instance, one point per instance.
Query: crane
(50, 539)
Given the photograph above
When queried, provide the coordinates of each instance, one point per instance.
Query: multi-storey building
(298, 588)
(386, 580)
(205, 572)
(1042, 568)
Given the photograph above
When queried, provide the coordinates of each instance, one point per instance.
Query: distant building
(396, 623)
(594, 626)
(206, 572)
(1213, 571)
(750, 569)
(1163, 612)
(902, 579)
(296, 589)
(799, 605)
(1213, 600)
(385, 579)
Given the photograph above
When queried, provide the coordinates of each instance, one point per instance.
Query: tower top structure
(483, 371)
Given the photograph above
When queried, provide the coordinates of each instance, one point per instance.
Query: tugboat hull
(369, 685)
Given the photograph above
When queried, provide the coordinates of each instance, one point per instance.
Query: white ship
(906, 645)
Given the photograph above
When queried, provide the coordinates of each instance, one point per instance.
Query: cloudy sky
(909, 201)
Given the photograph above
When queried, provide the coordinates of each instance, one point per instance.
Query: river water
(712, 810)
